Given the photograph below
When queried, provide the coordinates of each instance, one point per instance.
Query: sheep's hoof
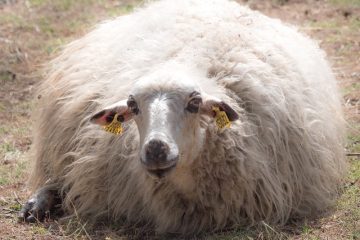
(40, 205)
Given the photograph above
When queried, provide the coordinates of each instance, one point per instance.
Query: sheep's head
(168, 115)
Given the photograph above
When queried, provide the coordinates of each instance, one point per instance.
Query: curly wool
(283, 159)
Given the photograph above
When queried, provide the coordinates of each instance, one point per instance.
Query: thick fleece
(282, 159)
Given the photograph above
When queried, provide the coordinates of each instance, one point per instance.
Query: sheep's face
(167, 115)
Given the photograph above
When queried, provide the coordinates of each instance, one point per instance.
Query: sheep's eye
(132, 105)
(194, 102)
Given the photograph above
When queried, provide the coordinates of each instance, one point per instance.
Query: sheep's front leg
(41, 204)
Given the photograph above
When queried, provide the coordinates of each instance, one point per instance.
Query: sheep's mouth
(161, 172)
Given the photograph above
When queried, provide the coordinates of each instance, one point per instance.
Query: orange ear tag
(114, 127)
(221, 119)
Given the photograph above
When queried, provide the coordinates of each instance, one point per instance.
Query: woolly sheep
(163, 69)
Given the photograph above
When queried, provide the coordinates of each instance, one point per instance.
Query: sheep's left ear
(125, 110)
(208, 104)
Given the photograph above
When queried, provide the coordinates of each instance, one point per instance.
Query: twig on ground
(353, 154)
(17, 198)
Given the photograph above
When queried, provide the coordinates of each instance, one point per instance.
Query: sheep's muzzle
(159, 158)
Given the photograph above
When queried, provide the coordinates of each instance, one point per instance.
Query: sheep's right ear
(125, 110)
(208, 104)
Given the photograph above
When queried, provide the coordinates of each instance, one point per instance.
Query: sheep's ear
(208, 104)
(125, 110)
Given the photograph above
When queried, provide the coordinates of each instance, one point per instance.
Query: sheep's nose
(156, 151)
(159, 157)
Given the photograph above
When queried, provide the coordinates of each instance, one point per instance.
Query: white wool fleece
(282, 159)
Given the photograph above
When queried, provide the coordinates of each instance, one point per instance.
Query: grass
(14, 20)
(37, 3)
(261, 231)
(12, 168)
(34, 31)
(120, 10)
(346, 3)
(353, 87)
(353, 24)
(5, 76)
(348, 204)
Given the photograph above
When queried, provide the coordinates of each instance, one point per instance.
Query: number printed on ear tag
(221, 119)
(114, 127)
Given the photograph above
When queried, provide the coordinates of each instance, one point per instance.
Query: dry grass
(32, 31)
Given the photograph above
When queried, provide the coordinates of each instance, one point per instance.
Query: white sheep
(163, 70)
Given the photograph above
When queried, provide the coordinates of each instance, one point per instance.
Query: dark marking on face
(194, 103)
(98, 115)
(120, 118)
(231, 114)
(133, 105)
(110, 117)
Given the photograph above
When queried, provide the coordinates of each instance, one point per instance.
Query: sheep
(162, 77)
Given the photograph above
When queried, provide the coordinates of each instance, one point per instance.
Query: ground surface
(32, 31)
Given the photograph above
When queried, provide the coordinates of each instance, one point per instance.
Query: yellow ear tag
(221, 119)
(114, 127)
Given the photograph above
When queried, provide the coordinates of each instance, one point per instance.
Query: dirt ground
(33, 31)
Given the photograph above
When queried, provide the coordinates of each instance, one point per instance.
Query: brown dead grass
(32, 32)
